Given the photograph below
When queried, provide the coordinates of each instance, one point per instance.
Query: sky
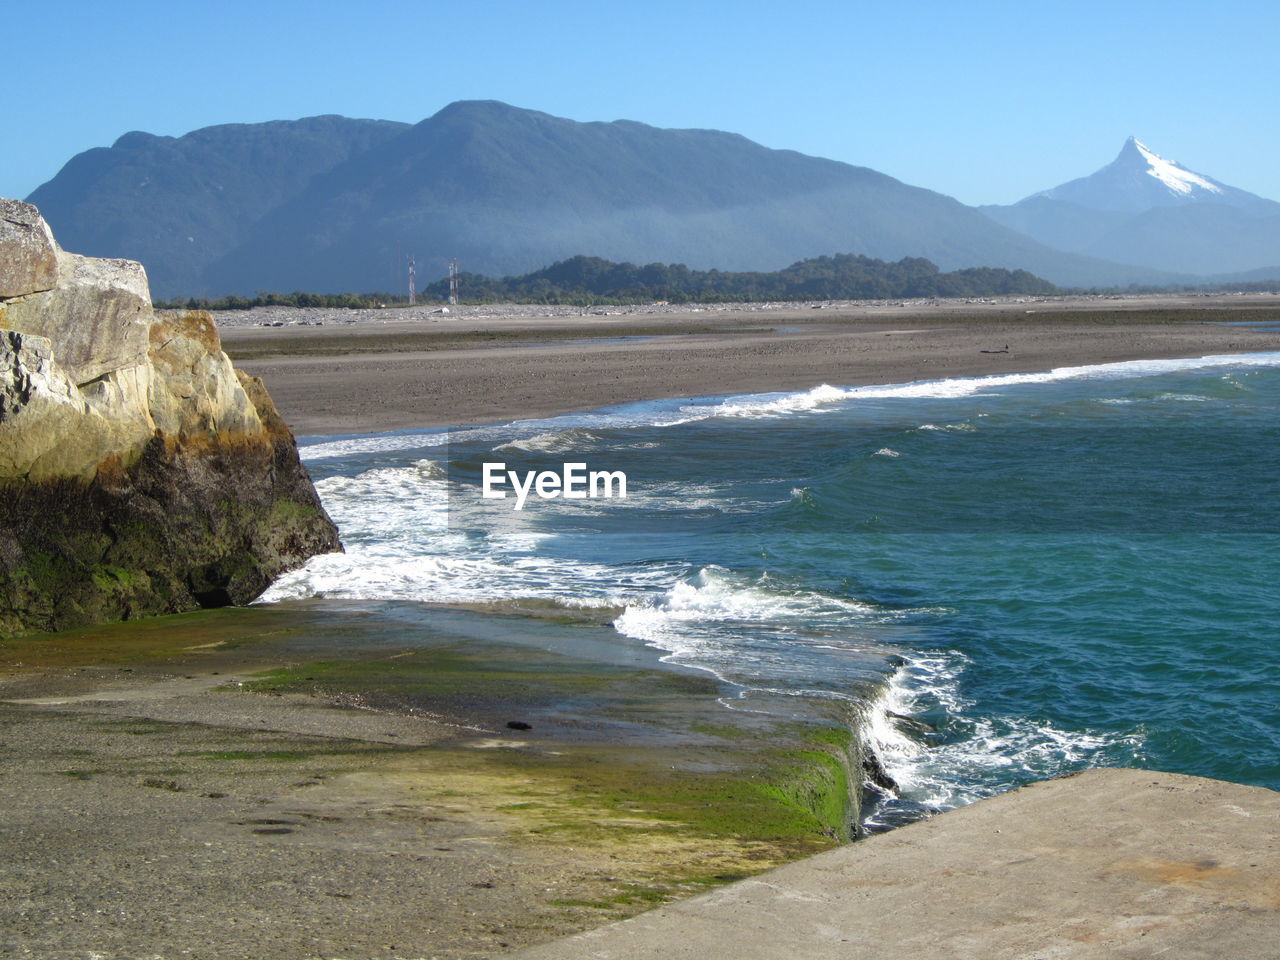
(984, 101)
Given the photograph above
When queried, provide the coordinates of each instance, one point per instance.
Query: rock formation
(140, 473)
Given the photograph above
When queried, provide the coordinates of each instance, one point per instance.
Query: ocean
(1007, 578)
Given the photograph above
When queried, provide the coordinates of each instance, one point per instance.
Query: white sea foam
(762, 406)
(386, 443)
(716, 594)
(976, 756)
(772, 404)
(746, 630)
(552, 441)
(947, 428)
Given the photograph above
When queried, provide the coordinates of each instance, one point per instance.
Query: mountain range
(332, 204)
(1153, 212)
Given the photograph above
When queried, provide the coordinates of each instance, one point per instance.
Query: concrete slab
(1107, 864)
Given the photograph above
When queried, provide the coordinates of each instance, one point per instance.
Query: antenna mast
(453, 280)
(413, 283)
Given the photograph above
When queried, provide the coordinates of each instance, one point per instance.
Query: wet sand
(368, 798)
(479, 366)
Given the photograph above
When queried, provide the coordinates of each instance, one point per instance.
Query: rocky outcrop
(140, 473)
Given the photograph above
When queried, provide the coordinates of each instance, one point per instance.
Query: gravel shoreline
(491, 365)
(309, 316)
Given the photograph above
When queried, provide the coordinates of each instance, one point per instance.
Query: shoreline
(366, 377)
(707, 401)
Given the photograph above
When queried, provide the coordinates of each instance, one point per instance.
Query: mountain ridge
(1153, 212)
(333, 204)
(174, 203)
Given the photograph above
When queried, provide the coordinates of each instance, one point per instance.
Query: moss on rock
(139, 472)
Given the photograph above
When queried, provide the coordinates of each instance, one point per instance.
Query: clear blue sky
(985, 101)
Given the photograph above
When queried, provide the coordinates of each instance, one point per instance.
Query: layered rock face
(140, 473)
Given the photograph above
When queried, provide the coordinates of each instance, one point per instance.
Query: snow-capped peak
(1140, 179)
(1174, 176)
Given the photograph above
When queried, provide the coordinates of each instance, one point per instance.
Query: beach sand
(394, 370)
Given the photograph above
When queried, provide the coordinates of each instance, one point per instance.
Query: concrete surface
(1109, 863)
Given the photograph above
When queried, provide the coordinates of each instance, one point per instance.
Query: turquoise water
(1047, 571)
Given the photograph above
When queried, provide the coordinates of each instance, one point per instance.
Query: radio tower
(413, 283)
(453, 280)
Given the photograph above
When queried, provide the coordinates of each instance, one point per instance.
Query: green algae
(638, 741)
(626, 760)
(286, 756)
(144, 640)
(464, 680)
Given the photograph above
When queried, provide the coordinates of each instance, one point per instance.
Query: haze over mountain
(333, 204)
(1144, 209)
(178, 204)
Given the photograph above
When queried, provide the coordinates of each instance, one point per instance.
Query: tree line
(585, 281)
(341, 301)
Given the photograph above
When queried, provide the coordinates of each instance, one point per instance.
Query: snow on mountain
(1140, 179)
(1171, 173)
(1153, 212)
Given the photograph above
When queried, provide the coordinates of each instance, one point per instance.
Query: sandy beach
(371, 371)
